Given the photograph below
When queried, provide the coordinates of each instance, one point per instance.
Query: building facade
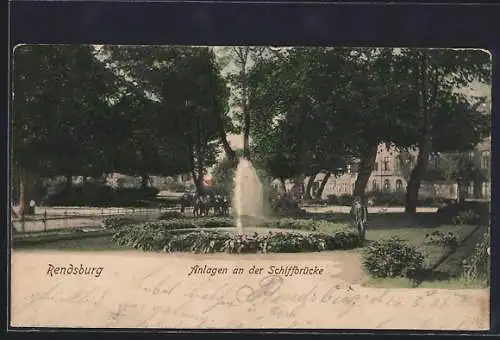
(389, 176)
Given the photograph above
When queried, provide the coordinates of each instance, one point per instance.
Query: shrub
(466, 217)
(393, 258)
(339, 200)
(157, 238)
(305, 224)
(116, 222)
(215, 222)
(291, 223)
(171, 215)
(477, 266)
(388, 198)
(101, 195)
(443, 240)
(465, 213)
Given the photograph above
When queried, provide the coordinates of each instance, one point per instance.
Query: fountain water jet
(248, 194)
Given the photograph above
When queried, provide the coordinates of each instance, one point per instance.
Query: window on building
(452, 189)
(486, 190)
(399, 185)
(376, 166)
(387, 185)
(374, 185)
(436, 161)
(471, 156)
(386, 164)
(470, 189)
(485, 160)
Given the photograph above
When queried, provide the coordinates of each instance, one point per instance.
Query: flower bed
(157, 238)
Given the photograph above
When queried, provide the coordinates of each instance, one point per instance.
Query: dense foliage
(167, 110)
(465, 213)
(440, 239)
(101, 195)
(478, 265)
(393, 258)
(157, 238)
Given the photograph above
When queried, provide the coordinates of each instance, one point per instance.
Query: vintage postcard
(250, 187)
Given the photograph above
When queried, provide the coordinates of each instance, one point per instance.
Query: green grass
(94, 243)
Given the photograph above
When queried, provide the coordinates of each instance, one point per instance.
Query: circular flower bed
(154, 237)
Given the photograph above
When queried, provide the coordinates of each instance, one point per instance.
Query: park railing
(51, 218)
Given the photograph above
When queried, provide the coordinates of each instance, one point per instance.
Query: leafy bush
(169, 215)
(286, 206)
(155, 237)
(465, 213)
(345, 200)
(477, 266)
(393, 258)
(305, 224)
(291, 223)
(215, 222)
(443, 240)
(388, 198)
(466, 217)
(101, 195)
(116, 222)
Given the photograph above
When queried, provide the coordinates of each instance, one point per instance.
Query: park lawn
(93, 243)
(415, 234)
(453, 264)
(448, 274)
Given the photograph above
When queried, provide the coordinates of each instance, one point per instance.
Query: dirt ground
(312, 290)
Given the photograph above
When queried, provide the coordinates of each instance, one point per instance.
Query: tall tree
(192, 100)
(60, 95)
(443, 114)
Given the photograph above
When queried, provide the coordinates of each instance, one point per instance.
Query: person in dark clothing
(359, 213)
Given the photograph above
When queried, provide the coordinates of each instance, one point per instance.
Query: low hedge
(156, 238)
(100, 195)
(469, 212)
(304, 224)
(391, 199)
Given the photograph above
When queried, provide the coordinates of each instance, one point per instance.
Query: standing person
(359, 213)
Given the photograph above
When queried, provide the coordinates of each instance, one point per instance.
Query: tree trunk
(478, 188)
(321, 188)
(13, 212)
(230, 153)
(144, 181)
(69, 183)
(283, 184)
(365, 170)
(246, 132)
(197, 184)
(420, 168)
(416, 175)
(219, 112)
(199, 158)
(462, 191)
(310, 182)
(22, 195)
(29, 189)
(298, 184)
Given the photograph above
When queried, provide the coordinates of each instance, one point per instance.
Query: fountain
(248, 194)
